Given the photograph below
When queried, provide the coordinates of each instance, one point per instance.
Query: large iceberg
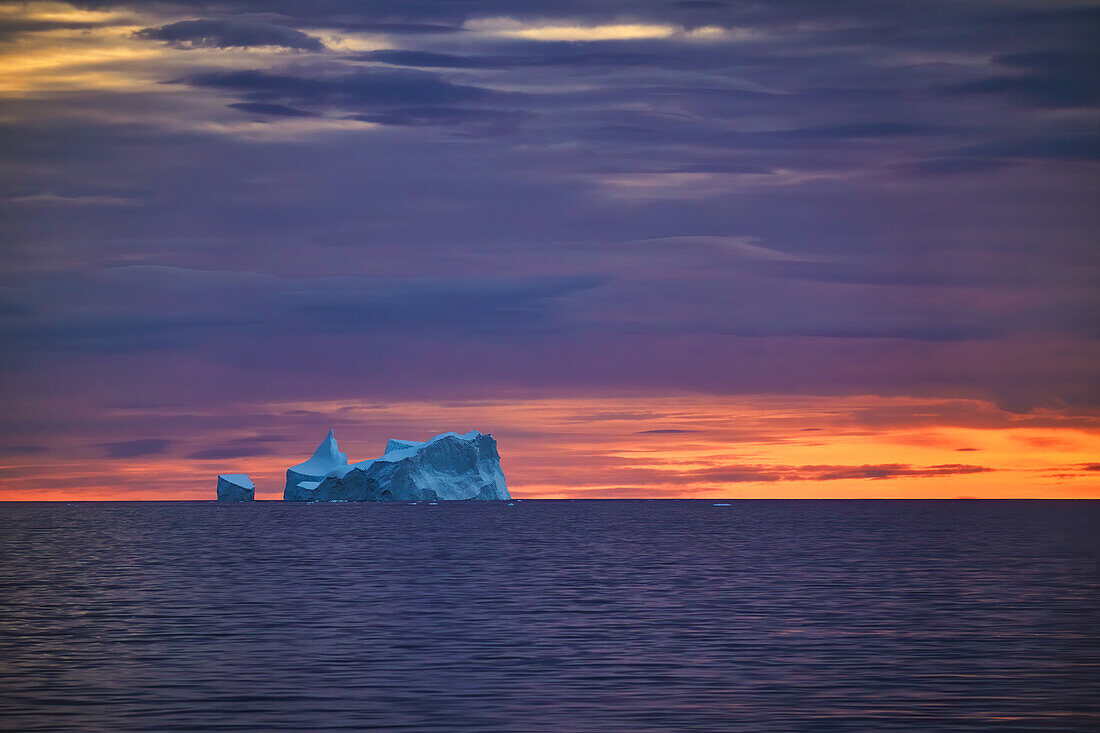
(447, 467)
(236, 487)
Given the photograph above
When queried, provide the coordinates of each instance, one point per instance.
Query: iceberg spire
(328, 452)
(326, 458)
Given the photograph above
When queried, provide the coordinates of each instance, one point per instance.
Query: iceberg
(326, 458)
(236, 487)
(450, 466)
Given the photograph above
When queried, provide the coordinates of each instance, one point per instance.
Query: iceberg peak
(326, 458)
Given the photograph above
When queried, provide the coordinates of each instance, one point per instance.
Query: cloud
(860, 131)
(669, 473)
(414, 29)
(889, 470)
(471, 306)
(136, 448)
(1060, 145)
(1052, 79)
(48, 197)
(513, 28)
(701, 4)
(230, 33)
(850, 273)
(750, 473)
(380, 96)
(219, 453)
(493, 119)
(15, 26)
(344, 88)
(131, 309)
(267, 108)
(952, 166)
(26, 449)
(256, 445)
(545, 56)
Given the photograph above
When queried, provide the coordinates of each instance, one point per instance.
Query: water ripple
(551, 616)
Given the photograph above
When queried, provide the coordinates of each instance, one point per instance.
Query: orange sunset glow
(685, 447)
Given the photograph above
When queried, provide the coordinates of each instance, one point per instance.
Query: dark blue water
(551, 616)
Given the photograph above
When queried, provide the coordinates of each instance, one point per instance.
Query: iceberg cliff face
(447, 467)
(326, 458)
(236, 487)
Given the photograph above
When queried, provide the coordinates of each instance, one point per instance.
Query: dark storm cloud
(136, 448)
(230, 33)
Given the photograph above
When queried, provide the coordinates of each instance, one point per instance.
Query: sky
(657, 249)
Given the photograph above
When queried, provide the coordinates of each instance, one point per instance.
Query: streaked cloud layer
(880, 218)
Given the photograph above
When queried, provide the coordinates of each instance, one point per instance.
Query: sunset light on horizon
(559, 448)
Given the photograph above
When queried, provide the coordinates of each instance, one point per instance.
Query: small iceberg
(236, 487)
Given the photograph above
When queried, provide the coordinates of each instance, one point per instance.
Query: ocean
(551, 616)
